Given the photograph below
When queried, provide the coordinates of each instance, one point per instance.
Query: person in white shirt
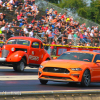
(11, 1)
(31, 33)
(70, 37)
(5, 28)
(92, 34)
(1, 3)
(48, 31)
(26, 30)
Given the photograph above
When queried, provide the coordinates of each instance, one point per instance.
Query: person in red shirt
(52, 47)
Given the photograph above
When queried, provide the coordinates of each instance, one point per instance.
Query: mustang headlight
(41, 66)
(76, 69)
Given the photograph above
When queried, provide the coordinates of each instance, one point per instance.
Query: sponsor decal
(73, 49)
(85, 50)
(36, 58)
(42, 56)
(32, 52)
(98, 51)
(61, 50)
(16, 55)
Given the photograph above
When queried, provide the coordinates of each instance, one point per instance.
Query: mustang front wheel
(43, 81)
(86, 79)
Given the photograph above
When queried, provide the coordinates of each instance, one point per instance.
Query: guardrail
(52, 95)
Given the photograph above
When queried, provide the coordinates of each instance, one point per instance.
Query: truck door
(34, 54)
(42, 53)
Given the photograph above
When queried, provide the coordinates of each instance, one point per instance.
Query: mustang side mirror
(98, 61)
(55, 57)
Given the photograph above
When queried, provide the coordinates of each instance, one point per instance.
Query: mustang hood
(64, 63)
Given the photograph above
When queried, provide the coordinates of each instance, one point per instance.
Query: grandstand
(40, 19)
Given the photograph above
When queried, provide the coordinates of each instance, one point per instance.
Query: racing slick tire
(86, 78)
(15, 68)
(43, 81)
(19, 67)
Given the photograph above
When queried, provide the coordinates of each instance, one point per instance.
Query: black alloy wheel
(86, 78)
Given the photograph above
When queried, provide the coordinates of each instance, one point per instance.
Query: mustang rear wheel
(43, 81)
(86, 79)
(19, 66)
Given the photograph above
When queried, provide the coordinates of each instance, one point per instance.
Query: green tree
(91, 12)
(72, 4)
(54, 1)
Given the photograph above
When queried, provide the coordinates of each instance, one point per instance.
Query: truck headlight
(12, 49)
(41, 66)
(76, 69)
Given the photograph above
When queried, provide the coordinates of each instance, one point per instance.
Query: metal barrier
(52, 95)
(59, 49)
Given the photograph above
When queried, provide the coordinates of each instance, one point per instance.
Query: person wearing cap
(43, 35)
(46, 11)
(53, 13)
(50, 10)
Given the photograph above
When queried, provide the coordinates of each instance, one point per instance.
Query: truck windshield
(19, 41)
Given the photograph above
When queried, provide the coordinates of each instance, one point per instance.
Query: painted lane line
(19, 77)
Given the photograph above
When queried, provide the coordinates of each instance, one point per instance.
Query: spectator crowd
(52, 27)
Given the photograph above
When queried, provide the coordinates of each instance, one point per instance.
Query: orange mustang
(72, 66)
(19, 52)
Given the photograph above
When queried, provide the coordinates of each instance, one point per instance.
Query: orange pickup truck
(20, 52)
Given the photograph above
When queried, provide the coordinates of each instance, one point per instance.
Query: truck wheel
(15, 68)
(19, 67)
(43, 81)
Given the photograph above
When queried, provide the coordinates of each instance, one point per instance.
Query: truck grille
(55, 70)
(5, 53)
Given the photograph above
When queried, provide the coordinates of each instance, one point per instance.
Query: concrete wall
(55, 95)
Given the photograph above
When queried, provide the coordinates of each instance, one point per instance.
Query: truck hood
(65, 63)
(8, 47)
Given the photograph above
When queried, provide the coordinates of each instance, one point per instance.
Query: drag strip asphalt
(28, 81)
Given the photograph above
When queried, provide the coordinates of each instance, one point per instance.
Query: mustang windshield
(19, 41)
(77, 56)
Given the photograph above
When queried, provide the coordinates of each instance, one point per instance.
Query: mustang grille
(5, 53)
(56, 77)
(55, 70)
